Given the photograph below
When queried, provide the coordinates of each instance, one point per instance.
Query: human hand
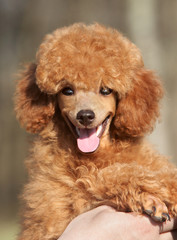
(104, 223)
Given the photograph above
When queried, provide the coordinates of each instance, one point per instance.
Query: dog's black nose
(85, 117)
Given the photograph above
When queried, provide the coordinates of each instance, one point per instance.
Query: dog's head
(97, 79)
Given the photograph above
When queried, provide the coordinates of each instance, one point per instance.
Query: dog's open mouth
(88, 139)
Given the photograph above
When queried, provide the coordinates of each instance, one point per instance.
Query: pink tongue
(88, 140)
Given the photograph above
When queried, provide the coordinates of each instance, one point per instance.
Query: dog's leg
(133, 188)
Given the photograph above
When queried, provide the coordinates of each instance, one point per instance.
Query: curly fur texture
(124, 172)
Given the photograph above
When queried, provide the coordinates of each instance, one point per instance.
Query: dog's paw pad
(155, 208)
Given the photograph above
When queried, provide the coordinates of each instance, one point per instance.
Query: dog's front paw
(155, 208)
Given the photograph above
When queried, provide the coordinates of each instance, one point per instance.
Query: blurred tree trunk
(149, 26)
(167, 35)
(12, 141)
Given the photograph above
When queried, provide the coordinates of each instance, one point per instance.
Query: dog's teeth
(77, 130)
(99, 130)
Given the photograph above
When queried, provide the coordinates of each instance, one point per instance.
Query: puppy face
(80, 64)
(88, 114)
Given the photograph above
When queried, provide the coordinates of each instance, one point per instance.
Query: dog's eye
(67, 91)
(105, 91)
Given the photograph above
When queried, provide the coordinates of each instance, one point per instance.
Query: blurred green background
(150, 24)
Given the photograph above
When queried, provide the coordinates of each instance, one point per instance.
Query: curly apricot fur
(124, 170)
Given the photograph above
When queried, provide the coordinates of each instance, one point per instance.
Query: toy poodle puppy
(91, 101)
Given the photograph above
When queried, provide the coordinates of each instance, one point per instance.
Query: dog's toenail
(165, 217)
(154, 209)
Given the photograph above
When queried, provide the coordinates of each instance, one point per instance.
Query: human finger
(172, 235)
(169, 225)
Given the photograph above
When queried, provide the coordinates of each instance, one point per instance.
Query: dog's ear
(138, 110)
(34, 109)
